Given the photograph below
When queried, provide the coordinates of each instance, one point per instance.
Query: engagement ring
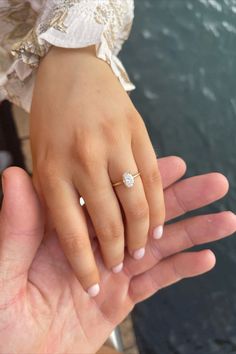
(128, 180)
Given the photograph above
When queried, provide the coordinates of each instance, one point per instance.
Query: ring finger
(132, 200)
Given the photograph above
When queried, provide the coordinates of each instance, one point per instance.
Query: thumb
(21, 224)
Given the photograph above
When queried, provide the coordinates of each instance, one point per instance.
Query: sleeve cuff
(77, 24)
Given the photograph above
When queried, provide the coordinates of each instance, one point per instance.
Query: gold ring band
(128, 180)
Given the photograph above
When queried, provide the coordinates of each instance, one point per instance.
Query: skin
(43, 306)
(85, 133)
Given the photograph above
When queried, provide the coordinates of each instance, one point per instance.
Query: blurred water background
(182, 58)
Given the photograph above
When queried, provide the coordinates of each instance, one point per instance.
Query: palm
(44, 309)
(66, 305)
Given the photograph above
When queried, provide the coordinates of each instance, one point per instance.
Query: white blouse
(29, 27)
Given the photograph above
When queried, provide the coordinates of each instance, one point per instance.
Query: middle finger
(132, 200)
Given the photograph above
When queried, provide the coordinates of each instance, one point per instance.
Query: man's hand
(44, 308)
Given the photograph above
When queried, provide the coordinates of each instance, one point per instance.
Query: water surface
(182, 57)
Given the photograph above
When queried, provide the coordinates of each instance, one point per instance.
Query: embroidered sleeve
(74, 24)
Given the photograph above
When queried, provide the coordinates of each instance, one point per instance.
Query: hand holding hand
(85, 133)
(44, 308)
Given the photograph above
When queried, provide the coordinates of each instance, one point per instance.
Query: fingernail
(118, 268)
(139, 253)
(93, 290)
(158, 232)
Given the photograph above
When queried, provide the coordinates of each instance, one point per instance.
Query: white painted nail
(158, 232)
(118, 268)
(139, 253)
(94, 290)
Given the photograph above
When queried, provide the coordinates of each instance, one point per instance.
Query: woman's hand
(43, 307)
(85, 133)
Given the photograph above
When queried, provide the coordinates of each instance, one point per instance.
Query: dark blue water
(182, 57)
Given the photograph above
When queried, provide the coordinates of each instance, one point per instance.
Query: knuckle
(152, 177)
(110, 232)
(87, 164)
(85, 154)
(156, 251)
(48, 182)
(107, 126)
(139, 211)
(136, 122)
(73, 243)
(44, 165)
(47, 173)
(112, 132)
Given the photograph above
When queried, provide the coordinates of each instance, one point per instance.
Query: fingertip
(138, 254)
(210, 259)
(221, 182)
(117, 269)
(93, 290)
(171, 168)
(15, 172)
(230, 217)
(20, 202)
(17, 177)
(227, 222)
(179, 163)
(158, 232)
(199, 262)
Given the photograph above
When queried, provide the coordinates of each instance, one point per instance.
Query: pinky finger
(71, 227)
(170, 271)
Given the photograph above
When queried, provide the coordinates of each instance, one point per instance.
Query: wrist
(78, 62)
(83, 59)
(89, 51)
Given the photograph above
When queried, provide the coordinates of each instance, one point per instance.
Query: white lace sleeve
(69, 24)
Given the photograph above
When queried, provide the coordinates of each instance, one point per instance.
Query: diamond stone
(128, 180)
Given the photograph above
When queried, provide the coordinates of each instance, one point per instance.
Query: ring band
(128, 179)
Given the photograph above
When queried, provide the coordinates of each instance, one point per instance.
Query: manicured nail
(139, 253)
(158, 232)
(118, 268)
(93, 290)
